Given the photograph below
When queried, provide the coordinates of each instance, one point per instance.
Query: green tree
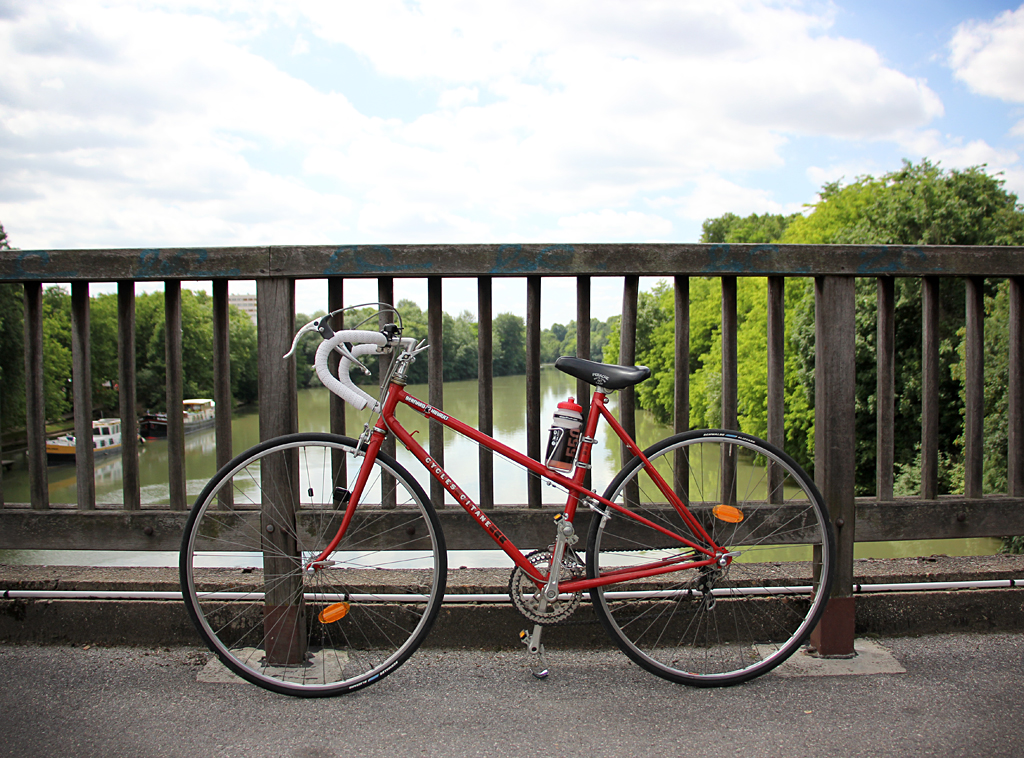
(729, 228)
(12, 350)
(56, 352)
(509, 335)
(917, 205)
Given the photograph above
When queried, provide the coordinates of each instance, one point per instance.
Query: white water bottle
(564, 436)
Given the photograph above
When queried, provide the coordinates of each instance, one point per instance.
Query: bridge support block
(833, 636)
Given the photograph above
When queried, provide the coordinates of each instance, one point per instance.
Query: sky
(253, 122)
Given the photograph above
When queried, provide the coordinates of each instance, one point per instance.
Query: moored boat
(199, 413)
(106, 439)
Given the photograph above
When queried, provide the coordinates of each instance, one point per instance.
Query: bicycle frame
(388, 422)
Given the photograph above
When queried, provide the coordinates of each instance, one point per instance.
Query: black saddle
(604, 375)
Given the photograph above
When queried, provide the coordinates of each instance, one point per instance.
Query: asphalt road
(961, 695)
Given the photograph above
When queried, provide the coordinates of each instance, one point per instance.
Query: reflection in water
(461, 461)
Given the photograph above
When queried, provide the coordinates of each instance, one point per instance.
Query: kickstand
(534, 647)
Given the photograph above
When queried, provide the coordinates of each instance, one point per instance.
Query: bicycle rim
(715, 625)
(276, 622)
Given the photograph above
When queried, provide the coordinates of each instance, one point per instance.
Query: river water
(460, 400)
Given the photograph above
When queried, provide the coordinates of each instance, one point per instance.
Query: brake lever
(312, 326)
(345, 350)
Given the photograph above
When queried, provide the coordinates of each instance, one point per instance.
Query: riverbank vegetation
(919, 204)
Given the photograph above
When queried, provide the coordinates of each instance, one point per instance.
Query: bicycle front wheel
(274, 618)
(717, 624)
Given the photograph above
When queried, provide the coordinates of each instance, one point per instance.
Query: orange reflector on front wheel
(333, 613)
(727, 513)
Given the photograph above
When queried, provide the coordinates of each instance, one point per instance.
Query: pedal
(534, 647)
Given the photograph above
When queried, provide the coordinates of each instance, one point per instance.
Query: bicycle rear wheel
(270, 618)
(715, 625)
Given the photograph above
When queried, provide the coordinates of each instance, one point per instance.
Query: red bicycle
(314, 564)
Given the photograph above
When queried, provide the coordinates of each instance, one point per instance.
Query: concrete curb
(487, 626)
(492, 625)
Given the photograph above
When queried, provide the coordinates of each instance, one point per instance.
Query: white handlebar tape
(364, 343)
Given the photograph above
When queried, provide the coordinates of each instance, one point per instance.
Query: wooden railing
(275, 269)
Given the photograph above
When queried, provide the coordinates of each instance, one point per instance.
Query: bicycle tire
(715, 627)
(312, 633)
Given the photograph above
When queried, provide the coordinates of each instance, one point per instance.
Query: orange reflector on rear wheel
(727, 513)
(333, 613)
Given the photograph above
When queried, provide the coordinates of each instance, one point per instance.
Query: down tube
(462, 498)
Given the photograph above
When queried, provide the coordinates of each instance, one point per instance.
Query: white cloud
(541, 119)
(989, 56)
(713, 195)
(458, 97)
(608, 225)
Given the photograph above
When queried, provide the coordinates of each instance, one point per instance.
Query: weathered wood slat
(611, 259)
(929, 387)
(131, 480)
(584, 391)
(175, 396)
(435, 381)
(627, 357)
(730, 418)
(336, 301)
(35, 406)
(974, 405)
(485, 387)
(222, 377)
(386, 295)
(681, 390)
(776, 379)
(160, 529)
(81, 391)
(533, 420)
(1015, 431)
(886, 388)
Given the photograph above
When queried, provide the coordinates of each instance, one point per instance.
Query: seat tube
(587, 442)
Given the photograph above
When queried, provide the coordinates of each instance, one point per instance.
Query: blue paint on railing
(350, 259)
(516, 259)
(40, 271)
(161, 264)
(883, 260)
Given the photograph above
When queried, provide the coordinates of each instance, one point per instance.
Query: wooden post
(681, 391)
(485, 387)
(1015, 432)
(533, 420)
(81, 389)
(834, 449)
(929, 387)
(776, 380)
(435, 381)
(35, 405)
(284, 609)
(175, 396)
(222, 381)
(886, 388)
(974, 407)
(126, 377)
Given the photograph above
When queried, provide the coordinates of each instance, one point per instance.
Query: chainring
(526, 597)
